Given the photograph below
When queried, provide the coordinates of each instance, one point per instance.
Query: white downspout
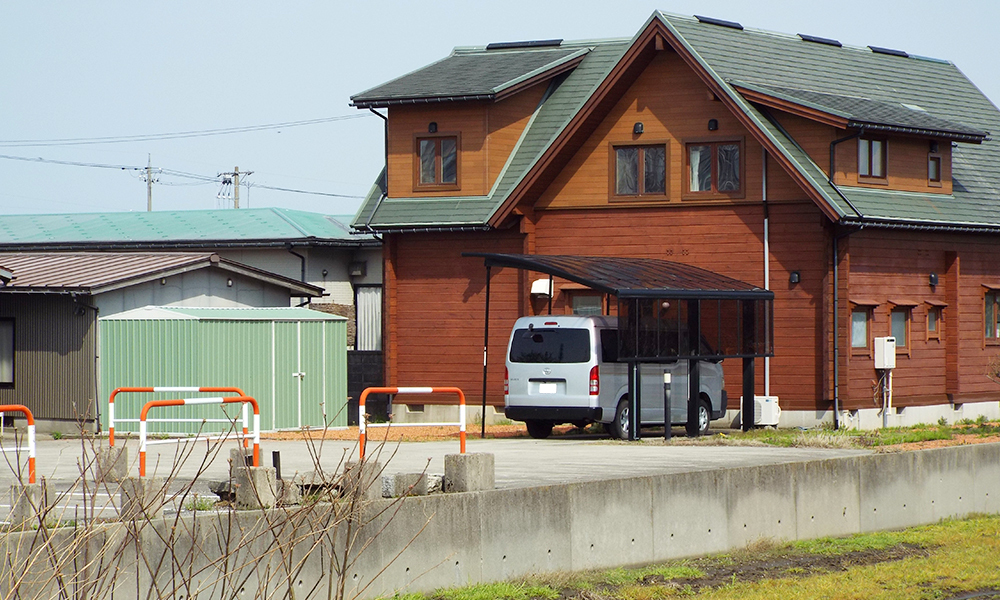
(767, 258)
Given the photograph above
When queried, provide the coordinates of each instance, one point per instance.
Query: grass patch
(931, 562)
(199, 503)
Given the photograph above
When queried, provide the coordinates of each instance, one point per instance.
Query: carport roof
(631, 277)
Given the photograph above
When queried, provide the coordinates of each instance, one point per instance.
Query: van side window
(609, 345)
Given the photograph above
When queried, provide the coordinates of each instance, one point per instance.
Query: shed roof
(99, 272)
(862, 85)
(171, 313)
(178, 229)
(631, 277)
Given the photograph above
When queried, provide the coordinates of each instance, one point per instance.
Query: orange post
(31, 434)
(363, 418)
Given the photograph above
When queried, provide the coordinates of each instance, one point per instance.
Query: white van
(565, 369)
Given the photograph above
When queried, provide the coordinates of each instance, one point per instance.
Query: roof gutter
(952, 135)
(452, 229)
(387, 102)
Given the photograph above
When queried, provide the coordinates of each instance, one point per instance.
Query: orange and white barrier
(31, 436)
(191, 401)
(363, 418)
(149, 390)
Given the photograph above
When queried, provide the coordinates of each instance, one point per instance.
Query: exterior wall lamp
(713, 124)
(933, 279)
(637, 129)
(794, 277)
(432, 127)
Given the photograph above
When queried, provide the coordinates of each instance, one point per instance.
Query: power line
(71, 163)
(172, 136)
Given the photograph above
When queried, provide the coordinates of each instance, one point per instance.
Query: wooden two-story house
(860, 185)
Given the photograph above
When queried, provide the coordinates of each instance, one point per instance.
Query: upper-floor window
(934, 169)
(437, 161)
(935, 322)
(640, 170)
(871, 157)
(991, 312)
(860, 317)
(714, 167)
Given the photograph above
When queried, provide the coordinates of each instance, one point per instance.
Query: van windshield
(550, 346)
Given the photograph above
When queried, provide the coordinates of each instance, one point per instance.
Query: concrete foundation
(447, 413)
(112, 464)
(362, 480)
(255, 487)
(142, 498)
(469, 472)
(871, 418)
(30, 504)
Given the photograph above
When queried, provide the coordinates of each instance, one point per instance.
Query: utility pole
(149, 183)
(234, 177)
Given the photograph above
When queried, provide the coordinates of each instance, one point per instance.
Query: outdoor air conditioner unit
(765, 410)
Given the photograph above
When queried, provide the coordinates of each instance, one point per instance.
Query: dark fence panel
(364, 369)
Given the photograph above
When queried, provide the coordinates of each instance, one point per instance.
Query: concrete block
(469, 472)
(362, 480)
(986, 461)
(142, 498)
(827, 501)
(524, 530)
(255, 487)
(404, 484)
(31, 502)
(761, 504)
(287, 493)
(950, 482)
(112, 464)
(689, 514)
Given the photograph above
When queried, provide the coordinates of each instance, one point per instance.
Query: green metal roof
(244, 227)
(864, 86)
(223, 314)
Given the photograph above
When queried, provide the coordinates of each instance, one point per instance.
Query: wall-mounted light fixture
(432, 127)
(934, 146)
(163, 281)
(541, 288)
(794, 277)
(713, 124)
(229, 283)
(325, 272)
(357, 269)
(933, 279)
(637, 128)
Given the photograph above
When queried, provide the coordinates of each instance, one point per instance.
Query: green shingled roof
(469, 73)
(248, 227)
(906, 92)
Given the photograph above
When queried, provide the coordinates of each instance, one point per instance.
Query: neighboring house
(312, 248)
(859, 184)
(50, 305)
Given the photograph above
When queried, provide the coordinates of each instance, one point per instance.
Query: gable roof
(99, 272)
(254, 227)
(858, 86)
(222, 313)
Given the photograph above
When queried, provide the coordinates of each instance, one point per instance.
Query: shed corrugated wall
(258, 356)
(54, 368)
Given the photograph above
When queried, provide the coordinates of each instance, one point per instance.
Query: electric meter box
(885, 353)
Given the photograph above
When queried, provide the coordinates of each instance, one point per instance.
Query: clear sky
(114, 69)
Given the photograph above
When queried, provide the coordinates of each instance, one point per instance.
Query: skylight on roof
(889, 51)
(524, 44)
(719, 22)
(820, 40)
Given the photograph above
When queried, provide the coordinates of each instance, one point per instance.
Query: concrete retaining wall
(457, 539)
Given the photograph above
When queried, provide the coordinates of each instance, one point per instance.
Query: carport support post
(633, 400)
(486, 345)
(749, 349)
(694, 381)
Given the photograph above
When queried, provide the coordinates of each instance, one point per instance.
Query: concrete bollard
(287, 493)
(255, 487)
(362, 479)
(469, 472)
(238, 458)
(29, 502)
(142, 498)
(112, 464)
(404, 484)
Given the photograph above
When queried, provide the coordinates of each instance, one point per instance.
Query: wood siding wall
(489, 131)
(54, 356)
(436, 301)
(895, 266)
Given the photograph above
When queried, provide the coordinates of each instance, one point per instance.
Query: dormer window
(871, 157)
(437, 162)
(934, 170)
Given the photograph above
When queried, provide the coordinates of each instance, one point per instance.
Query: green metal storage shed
(293, 361)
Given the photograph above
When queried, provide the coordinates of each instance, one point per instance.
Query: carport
(667, 311)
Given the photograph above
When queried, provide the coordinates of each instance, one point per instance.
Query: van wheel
(619, 427)
(539, 429)
(704, 416)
